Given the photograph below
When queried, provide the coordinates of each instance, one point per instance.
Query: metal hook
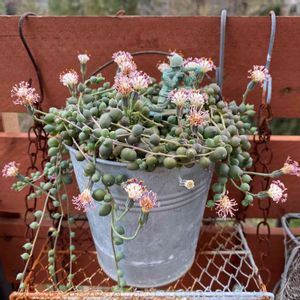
(272, 38)
(220, 69)
(33, 61)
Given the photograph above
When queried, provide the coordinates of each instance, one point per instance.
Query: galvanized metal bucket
(165, 248)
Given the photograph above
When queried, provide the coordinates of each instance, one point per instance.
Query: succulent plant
(181, 121)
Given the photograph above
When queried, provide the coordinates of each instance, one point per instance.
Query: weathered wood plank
(55, 42)
(10, 122)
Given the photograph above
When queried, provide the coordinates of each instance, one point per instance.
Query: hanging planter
(168, 182)
(143, 152)
(158, 255)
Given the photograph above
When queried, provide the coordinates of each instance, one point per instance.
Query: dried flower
(11, 169)
(291, 167)
(123, 85)
(259, 74)
(197, 99)
(83, 58)
(134, 187)
(163, 66)
(83, 201)
(187, 183)
(277, 191)
(69, 78)
(24, 94)
(139, 80)
(226, 207)
(179, 97)
(197, 117)
(204, 64)
(148, 200)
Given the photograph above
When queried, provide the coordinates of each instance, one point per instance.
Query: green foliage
(284, 126)
(2, 8)
(65, 7)
(103, 7)
(265, 9)
(91, 7)
(20, 7)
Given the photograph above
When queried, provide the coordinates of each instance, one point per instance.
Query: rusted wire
(223, 265)
(263, 156)
(37, 137)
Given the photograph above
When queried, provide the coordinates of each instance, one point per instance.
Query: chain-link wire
(263, 156)
(37, 137)
(290, 279)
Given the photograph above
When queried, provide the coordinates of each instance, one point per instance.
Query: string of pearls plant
(178, 122)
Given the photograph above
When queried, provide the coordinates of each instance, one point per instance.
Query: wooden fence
(55, 43)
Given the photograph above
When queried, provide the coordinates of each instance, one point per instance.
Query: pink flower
(134, 187)
(69, 78)
(277, 191)
(83, 201)
(191, 63)
(125, 62)
(179, 97)
(226, 207)
(11, 169)
(197, 99)
(290, 167)
(197, 117)
(123, 84)
(163, 66)
(139, 80)
(259, 74)
(24, 94)
(148, 200)
(204, 64)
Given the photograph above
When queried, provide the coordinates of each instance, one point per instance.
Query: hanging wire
(272, 39)
(30, 55)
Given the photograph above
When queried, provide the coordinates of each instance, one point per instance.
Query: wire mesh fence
(223, 269)
(290, 279)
